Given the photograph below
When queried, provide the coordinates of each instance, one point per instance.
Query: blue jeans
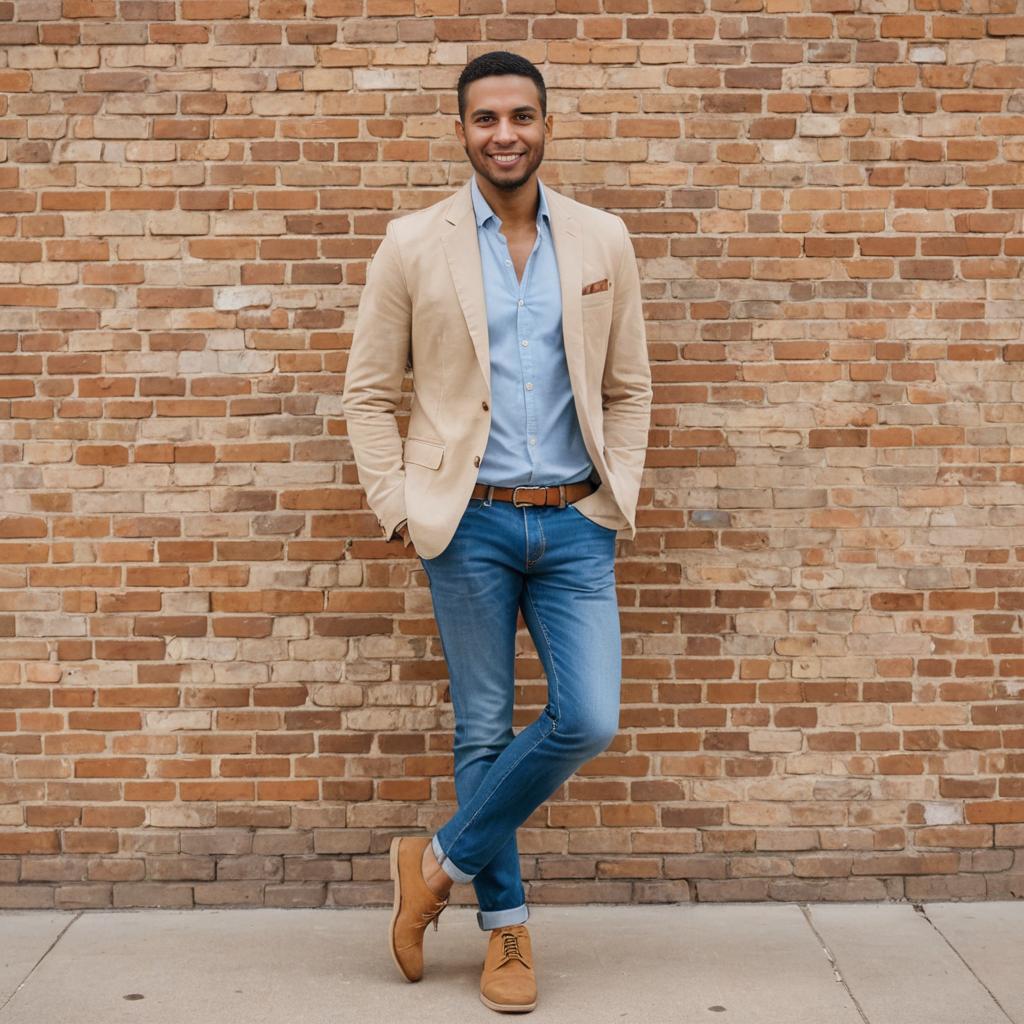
(556, 566)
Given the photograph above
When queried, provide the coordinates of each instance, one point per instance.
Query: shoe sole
(508, 1007)
(393, 858)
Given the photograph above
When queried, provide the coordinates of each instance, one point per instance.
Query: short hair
(500, 62)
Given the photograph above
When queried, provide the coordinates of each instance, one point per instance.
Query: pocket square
(596, 286)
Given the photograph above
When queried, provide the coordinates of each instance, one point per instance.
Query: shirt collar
(483, 210)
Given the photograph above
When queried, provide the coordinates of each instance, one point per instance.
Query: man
(519, 311)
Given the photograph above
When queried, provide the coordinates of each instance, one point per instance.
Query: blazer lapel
(462, 251)
(568, 239)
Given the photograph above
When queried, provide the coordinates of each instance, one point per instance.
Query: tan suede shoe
(415, 905)
(507, 983)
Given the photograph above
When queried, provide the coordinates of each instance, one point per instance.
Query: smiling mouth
(503, 158)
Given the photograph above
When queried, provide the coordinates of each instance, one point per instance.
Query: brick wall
(219, 686)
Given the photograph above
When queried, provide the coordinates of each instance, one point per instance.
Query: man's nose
(505, 132)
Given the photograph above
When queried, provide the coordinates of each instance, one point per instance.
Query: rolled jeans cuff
(488, 919)
(454, 873)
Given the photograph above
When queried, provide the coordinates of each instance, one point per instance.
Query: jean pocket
(586, 519)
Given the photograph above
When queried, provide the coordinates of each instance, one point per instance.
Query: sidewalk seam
(924, 913)
(46, 952)
(806, 911)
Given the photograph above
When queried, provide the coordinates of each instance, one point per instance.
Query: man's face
(503, 118)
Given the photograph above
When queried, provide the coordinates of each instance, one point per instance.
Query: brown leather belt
(560, 495)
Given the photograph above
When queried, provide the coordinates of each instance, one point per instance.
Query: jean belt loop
(490, 495)
(561, 495)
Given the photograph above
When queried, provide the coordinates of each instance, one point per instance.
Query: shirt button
(519, 303)
(524, 342)
(529, 387)
(533, 440)
(476, 460)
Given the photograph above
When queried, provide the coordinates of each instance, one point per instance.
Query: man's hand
(402, 531)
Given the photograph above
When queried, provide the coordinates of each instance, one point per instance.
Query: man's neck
(516, 209)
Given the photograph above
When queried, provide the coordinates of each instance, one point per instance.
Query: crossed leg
(557, 567)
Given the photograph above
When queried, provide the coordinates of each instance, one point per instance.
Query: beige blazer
(423, 305)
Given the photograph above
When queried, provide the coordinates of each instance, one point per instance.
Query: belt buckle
(561, 496)
(516, 504)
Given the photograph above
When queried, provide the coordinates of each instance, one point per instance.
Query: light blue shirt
(535, 435)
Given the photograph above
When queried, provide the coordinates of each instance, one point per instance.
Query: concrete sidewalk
(937, 963)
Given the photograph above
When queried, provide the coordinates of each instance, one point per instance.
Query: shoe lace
(510, 947)
(432, 915)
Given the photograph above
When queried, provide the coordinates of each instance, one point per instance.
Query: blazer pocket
(423, 453)
(596, 298)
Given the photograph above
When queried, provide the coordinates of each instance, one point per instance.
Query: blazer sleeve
(626, 384)
(377, 362)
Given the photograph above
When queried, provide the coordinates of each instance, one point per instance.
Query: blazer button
(486, 406)
(476, 460)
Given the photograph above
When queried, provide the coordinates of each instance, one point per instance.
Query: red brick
(147, 713)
